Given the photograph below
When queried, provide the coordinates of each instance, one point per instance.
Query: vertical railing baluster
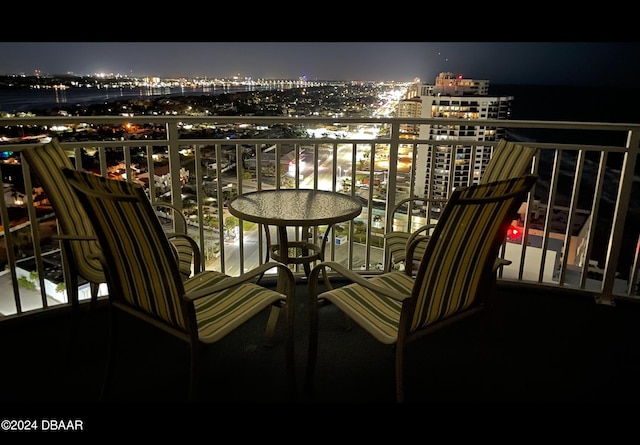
(619, 217)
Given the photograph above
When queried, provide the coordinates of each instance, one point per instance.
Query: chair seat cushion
(379, 316)
(222, 312)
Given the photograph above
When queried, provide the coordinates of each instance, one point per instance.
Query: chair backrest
(456, 269)
(509, 160)
(141, 265)
(46, 161)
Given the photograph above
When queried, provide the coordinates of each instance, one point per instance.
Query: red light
(514, 231)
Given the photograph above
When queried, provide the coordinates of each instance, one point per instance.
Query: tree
(230, 223)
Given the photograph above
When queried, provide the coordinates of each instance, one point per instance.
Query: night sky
(544, 63)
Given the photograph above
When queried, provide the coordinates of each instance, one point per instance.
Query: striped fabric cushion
(379, 316)
(509, 160)
(224, 311)
(141, 262)
(46, 161)
(463, 248)
(460, 259)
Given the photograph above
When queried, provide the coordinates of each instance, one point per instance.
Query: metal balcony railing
(578, 231)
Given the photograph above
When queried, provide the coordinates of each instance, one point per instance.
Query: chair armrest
(500, 262)
(167, 205)
(419, 236)
(416, 199)
(249, 276)
(176, 211)
(355, 278)
(409, 202)
(412, 244)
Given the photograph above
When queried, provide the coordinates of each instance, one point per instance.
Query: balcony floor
(553, 348)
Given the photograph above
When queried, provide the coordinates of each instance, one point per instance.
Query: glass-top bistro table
(302, 208)
(298, 208)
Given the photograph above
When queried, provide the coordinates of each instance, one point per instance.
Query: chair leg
(348, 325)
(307, 269)
(69, 273)
(272, 322)
(95, 288)
(388, 262)
(274, 315)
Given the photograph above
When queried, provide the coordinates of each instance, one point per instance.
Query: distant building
(411, 107)
(450, 84)
(453, 96)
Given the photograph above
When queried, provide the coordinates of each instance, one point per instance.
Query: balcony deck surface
(552, 348)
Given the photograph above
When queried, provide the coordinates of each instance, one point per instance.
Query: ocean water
(571, 103)
(15, 100)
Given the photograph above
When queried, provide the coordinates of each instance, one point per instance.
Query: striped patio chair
(509, 160)
(144, 280)
(75, 231)
(455, 279)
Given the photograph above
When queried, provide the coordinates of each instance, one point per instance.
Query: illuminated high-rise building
(444, 164)
(411, 107)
